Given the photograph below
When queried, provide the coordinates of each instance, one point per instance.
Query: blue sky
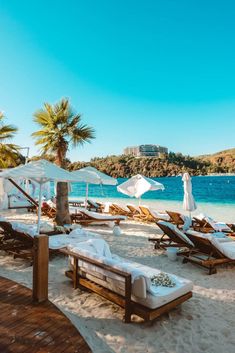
(140, 72)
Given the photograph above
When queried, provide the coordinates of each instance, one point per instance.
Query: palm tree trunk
(62, 202)
(62, 205)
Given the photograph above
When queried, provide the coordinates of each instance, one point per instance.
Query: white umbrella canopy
(188, 203)
(40, 171)
(138, 185)
(90, 175)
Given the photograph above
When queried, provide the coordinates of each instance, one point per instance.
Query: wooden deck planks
(26, 327)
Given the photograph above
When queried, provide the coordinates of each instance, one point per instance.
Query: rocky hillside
(223, 161)
(171, 165)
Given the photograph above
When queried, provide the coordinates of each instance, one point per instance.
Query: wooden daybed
(80, 278)
(85, 217)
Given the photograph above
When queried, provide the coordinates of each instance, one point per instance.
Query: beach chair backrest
(8, 229)
(204, 244)
(175, 217)
(133, 209)
(145, 210)
(93, 204)
(175, 234)
(201, 222)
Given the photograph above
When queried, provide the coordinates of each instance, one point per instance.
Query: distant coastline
(220, 174)
(172, 164)
(168, 165)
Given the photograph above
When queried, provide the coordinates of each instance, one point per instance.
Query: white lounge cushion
(157, 214)
(96, 246)
(207, 235)
(161, 296)
(71, 240)
(222, 242)
(141, 283)
(218, 226)
(100, 216)
(180, 234)
(227, 248)
(31, 229)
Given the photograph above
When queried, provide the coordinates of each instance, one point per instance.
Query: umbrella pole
(39, 207)
(87, 190)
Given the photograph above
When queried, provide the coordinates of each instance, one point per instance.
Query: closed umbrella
(41, 172)
(137, 185)
(188, 203)
(90, 175)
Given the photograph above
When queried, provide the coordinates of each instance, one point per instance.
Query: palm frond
(60, 126)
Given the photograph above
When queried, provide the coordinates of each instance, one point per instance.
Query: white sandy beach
(204, 323)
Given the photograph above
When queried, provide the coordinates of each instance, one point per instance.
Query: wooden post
(40, 268)
(127, 306)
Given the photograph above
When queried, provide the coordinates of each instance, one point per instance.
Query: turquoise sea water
(206, 189)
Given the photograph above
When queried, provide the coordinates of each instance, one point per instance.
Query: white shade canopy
(188, 203)
(91, 175)
(40, 171)
(138, 185)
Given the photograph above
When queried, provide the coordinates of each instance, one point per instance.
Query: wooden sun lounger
(148, 215)
(19, 244)
(116, 209)
(202, 225)
(82, 217)
(205, 254)
(16, 243)
(48, 211)
(94, 206)
(124, 301)
(175, 218)
(202, 252)
(136, 214)
(145, 214)
(170, 238)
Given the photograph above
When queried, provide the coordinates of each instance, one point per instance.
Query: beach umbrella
(41, 172)
(188, 203)
(90, 175)
(137, 185)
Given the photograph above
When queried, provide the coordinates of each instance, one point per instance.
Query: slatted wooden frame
(169, 239)
(175, 218)
(205, 254)
(124, 301)
(84, 219)
(19, 244)
(116, 209)
(201, 225)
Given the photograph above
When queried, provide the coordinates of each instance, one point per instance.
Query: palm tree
(60, 128)
(9, 155)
